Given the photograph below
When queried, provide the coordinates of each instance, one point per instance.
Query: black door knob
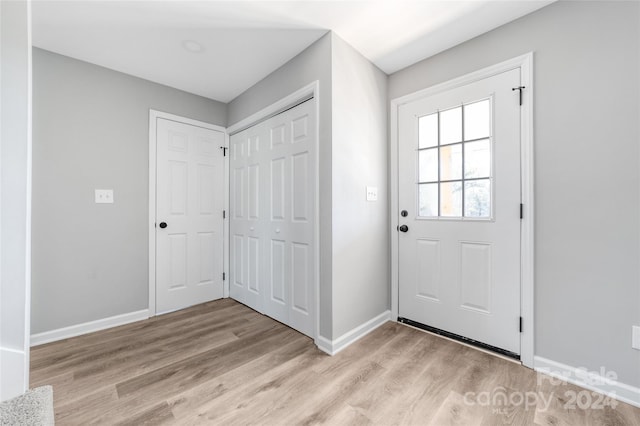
(403, 228)
(163, 225)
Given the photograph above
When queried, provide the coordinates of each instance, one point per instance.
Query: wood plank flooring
(223, 363)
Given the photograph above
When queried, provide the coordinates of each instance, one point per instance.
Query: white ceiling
(244, 41)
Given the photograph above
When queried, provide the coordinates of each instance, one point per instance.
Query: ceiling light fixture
(192, 46)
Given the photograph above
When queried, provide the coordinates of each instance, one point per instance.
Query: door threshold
(502, 353)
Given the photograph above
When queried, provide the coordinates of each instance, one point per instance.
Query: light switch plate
(635, 339)
(372, 193)
(104, 196)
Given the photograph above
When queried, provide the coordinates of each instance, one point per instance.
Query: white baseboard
(324, 344)
(335, 346)
(13, 373)
(88, 327)
(591, 380)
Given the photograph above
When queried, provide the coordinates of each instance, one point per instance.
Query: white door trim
(525, 63)
(306, 92)
(153, 117)
(225, 225)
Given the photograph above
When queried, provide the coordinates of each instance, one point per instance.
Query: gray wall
(15, 181)
(90, 130)
(312, 64)
(360, 228)
(587, 183)
(354, 257)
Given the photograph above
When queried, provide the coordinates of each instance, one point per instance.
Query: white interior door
(459, 188)
(272, 252)
(189, 215)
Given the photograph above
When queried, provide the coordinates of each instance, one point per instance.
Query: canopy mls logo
(503, 400)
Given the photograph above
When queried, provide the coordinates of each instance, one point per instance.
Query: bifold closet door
(273, 181)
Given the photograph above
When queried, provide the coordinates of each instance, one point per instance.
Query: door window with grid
(454, 162)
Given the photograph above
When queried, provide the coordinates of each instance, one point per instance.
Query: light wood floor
(222, 363)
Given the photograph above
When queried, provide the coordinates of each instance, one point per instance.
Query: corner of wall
(334, 346)
(15, 194)
(359, 228)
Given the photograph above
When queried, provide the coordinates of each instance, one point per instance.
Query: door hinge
(224, 276)
(224, 214)
(520, 325)
(521, 211)
(520, 89)
(224, 150)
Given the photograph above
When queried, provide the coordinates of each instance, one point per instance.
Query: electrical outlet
(104, 196)
(635, 338)
(372, 193)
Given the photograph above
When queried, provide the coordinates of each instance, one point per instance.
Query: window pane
(428, 131)
(477, 198)
(428, 199)
(477, 122)
(428, 165)
(451, 126)
(451, 199)
(477, 159)
(451, 162)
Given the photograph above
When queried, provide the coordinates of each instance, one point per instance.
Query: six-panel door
(189, 223)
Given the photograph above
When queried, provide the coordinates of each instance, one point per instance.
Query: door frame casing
(525, 63)
(154, 115)
(310, 91)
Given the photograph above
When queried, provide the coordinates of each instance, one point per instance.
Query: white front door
(189, 215)
(459, 200)
(272, 251)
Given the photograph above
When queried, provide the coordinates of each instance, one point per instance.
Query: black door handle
(403, 228)
(163, 225)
